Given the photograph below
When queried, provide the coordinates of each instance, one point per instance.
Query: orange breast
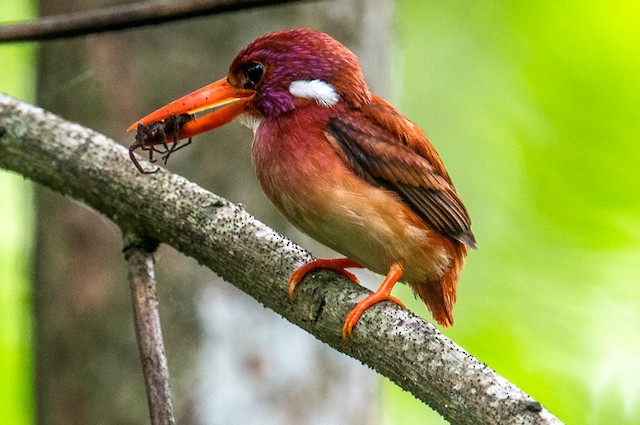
(311, 185)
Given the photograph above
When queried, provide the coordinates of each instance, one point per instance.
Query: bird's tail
(440, 295)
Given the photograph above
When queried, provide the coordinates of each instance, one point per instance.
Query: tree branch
(89, 167)
(139, 255)
(122, 17)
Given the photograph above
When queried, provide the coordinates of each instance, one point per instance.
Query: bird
(341, 164)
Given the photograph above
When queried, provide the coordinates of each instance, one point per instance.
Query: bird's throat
(250, 120)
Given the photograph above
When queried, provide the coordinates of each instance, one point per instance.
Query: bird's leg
(383, 293)
(338, 265)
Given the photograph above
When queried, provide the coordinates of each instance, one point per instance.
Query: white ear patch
(320, 91)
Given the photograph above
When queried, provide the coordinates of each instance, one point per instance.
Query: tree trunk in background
(231, 361)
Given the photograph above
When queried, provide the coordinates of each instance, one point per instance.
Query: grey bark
(224, 237)
(117, 18)
(146, 317)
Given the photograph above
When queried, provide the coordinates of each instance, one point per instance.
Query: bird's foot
(382, 294)
(338, 265)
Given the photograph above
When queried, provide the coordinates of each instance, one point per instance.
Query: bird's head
(274, 74)
(292, 67)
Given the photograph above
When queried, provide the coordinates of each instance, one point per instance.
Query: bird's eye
(253, 72)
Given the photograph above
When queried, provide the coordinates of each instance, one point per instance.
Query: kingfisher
(340, 163)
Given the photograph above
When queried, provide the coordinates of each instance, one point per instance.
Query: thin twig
(139, 255)
(121, 17)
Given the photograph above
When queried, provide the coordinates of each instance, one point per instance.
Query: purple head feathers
(299, 54)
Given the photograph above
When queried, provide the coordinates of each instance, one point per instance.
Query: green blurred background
(535, 109)
(17, 78)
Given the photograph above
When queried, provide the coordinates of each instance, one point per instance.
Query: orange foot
(338, 265)
(382, 294)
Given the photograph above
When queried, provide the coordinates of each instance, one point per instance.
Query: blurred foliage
(535, 109)
(16, 374)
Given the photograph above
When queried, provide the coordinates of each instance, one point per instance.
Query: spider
(164, 133)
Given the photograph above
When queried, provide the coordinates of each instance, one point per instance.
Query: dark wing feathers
(399, 157)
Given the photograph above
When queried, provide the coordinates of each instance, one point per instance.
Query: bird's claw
(338, 265)
(355, 314)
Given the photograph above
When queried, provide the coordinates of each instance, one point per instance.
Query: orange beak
(225, 101)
